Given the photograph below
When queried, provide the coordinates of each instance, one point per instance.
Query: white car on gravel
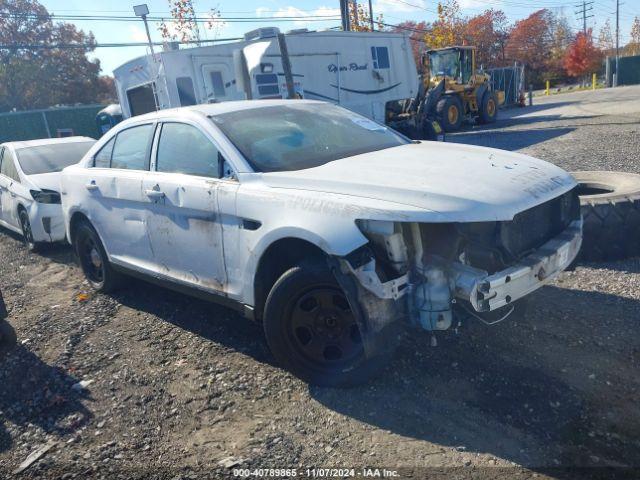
(30, 186)
(332, 230)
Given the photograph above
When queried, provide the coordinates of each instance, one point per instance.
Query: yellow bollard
(593, 82)
(547, 90)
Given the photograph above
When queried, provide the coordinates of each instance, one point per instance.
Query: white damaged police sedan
(330, 229)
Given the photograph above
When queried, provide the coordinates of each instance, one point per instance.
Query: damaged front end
(431, 275)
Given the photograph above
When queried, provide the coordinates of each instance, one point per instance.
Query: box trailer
(370, 73)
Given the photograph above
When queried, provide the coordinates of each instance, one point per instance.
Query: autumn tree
(184, 25)
(605, 38)
(488, 33)
(560, 37)
(528, 43)
(36, 77)
(360, 18)
(582, 57)
(633, 47)
(448, 29)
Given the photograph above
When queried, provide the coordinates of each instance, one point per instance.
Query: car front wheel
(93, 259)
(27, 233)
(312, 331)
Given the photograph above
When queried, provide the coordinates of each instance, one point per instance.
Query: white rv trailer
(361, 71)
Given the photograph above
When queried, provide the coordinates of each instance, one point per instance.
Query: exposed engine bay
(431, 274)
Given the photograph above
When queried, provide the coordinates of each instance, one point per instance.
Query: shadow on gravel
(518, 121)
(34, 392)
(205, 319)
(509, 140)
(503, 389)
(57, 252)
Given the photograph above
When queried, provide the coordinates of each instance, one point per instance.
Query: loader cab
(456, 64)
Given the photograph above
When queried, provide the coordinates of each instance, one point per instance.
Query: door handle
(13, 195)
(91, 186)
(154, 193)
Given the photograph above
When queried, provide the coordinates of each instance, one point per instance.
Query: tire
(444, 108)
(610, 204)
(488, 108)
(94, 260)
(27, 235)
(312, 331)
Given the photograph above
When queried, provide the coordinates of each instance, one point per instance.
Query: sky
(394, 11)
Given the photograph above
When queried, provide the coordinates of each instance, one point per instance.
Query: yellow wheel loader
(455, 90)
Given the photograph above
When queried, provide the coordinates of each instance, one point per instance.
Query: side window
(267, 84)
(185, 149)
(8, 167)
(1, 154)
(380, 57)
(102, 159)
(186, 93)
(131, 149)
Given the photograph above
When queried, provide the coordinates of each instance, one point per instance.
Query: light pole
(143, 11)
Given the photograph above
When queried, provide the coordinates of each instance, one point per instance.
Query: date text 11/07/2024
(315, 473)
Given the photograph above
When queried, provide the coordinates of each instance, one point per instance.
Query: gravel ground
(173, 387)
(578, 131)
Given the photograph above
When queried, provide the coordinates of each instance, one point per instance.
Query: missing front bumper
(489, 292)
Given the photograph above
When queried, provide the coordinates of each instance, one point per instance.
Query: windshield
(302, 135)
(444, 64)
(51, 158)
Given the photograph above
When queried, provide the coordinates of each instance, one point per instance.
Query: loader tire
(488, 108)
(449, 110)
(610, 205)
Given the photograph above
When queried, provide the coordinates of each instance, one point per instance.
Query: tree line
(42, 77)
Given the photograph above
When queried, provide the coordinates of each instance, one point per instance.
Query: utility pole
(583, 12)
(371, 16)
(344, 14)
(617, 74)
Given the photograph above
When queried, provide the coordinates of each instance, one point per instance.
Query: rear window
(51, 158)
(302, 135)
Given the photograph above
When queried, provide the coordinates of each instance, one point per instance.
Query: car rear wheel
(312, 331)
(94, 261)
(27, 233)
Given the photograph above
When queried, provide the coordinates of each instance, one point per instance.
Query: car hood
(46, 181)
(458, 182)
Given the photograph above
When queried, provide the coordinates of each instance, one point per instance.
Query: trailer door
(218, 81)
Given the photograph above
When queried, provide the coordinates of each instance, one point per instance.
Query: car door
(9, 189)
(183, 221)
(114, 199)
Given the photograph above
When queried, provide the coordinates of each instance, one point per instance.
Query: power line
(583, 13)
(127, 18)
(67, 46)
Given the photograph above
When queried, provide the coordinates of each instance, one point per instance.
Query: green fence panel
(30, 125)
(629, 70)
(80, 121)
(22, 126)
